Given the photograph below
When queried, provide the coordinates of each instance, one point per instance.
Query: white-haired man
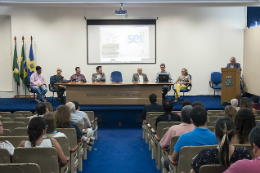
(233, 64)
(76, 119)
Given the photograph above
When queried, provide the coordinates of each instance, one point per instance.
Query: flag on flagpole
(16, 67)
(31, 65)
(23, 68)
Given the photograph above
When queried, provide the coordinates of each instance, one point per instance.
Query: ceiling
(130, 3)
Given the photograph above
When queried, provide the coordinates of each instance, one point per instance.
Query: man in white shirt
(139, 76)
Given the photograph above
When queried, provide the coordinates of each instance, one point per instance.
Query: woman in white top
(36, 130)
(6, 144)
(51, 123)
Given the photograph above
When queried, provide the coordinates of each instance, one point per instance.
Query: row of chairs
(78, 149)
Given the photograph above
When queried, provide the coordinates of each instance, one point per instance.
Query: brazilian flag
(31, 65)
(16, 67)
(23, 68)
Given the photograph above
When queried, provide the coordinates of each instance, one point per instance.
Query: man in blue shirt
(201, 135)
(165, 88)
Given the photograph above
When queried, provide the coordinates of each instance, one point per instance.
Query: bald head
(140, 70)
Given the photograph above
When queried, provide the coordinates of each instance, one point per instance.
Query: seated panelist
(139, 76)
(99, 76)
(182, 83)
(37, 81)
(60, 89)
(233, 64)
(78, 77)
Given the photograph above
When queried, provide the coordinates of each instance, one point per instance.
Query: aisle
(120, 151)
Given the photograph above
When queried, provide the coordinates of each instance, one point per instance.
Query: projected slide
(115, 44)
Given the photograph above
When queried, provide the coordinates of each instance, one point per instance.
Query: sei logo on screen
(136, 38)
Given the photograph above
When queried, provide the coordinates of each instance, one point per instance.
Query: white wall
(202, 39)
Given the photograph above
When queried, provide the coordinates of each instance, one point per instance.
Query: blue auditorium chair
(116, 76)
(51, 88)
(215, 81)
(188, 89)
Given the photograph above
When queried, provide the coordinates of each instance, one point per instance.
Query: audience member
(153, 107)
(6, 144)
(245, 165)
(36, 130)
(51, 126)
(178, 130)
(63, 120)
(40, 109)
(197, 103)
(231, 112)
(167, 116)
(244, 123)
(225, 153)
(201, 135)
(234, 102)
(76, 119)
(185, 102)
(49, 106)
(81, 114)
(255, 103)
(245, 103)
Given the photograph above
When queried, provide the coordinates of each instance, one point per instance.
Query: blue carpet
(120, 150)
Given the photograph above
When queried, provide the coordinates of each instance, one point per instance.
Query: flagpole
(24, 57)
(16, 82)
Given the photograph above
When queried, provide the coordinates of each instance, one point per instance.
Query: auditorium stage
(110, 115)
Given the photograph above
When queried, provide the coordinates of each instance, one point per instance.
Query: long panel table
(108, 93)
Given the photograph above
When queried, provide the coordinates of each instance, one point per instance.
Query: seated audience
(185, 102)
(51, 125)
(63, 120)
(76, 119)
(178, 130)
(245, 103)
(36, 130)
(6, 144)
(234, 102)
(167, 116)
(225, 153)
(255, 103)
(201, 135)
(40, 109)
(244, 123)
(153, 107)
(245, 165)
(197, 103)
(49, 106)
(81, 114)
(231, 112)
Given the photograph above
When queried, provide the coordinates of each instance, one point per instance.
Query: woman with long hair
(63, 120)
(231, 112)
(51, 123)
(225, 153)
(36, 130)
(244, 123)
(182, 82)
(245, 103)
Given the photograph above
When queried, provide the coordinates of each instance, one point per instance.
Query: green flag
(23, 68)
(16, 67)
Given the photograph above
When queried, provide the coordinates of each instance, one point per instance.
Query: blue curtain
(253, 15)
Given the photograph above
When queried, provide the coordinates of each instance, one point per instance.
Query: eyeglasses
(2, 124)
(183, 71)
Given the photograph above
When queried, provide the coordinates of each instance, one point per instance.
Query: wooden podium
(230, 81)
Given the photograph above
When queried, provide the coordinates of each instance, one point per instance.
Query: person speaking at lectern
(139, 76)
(233, 64)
